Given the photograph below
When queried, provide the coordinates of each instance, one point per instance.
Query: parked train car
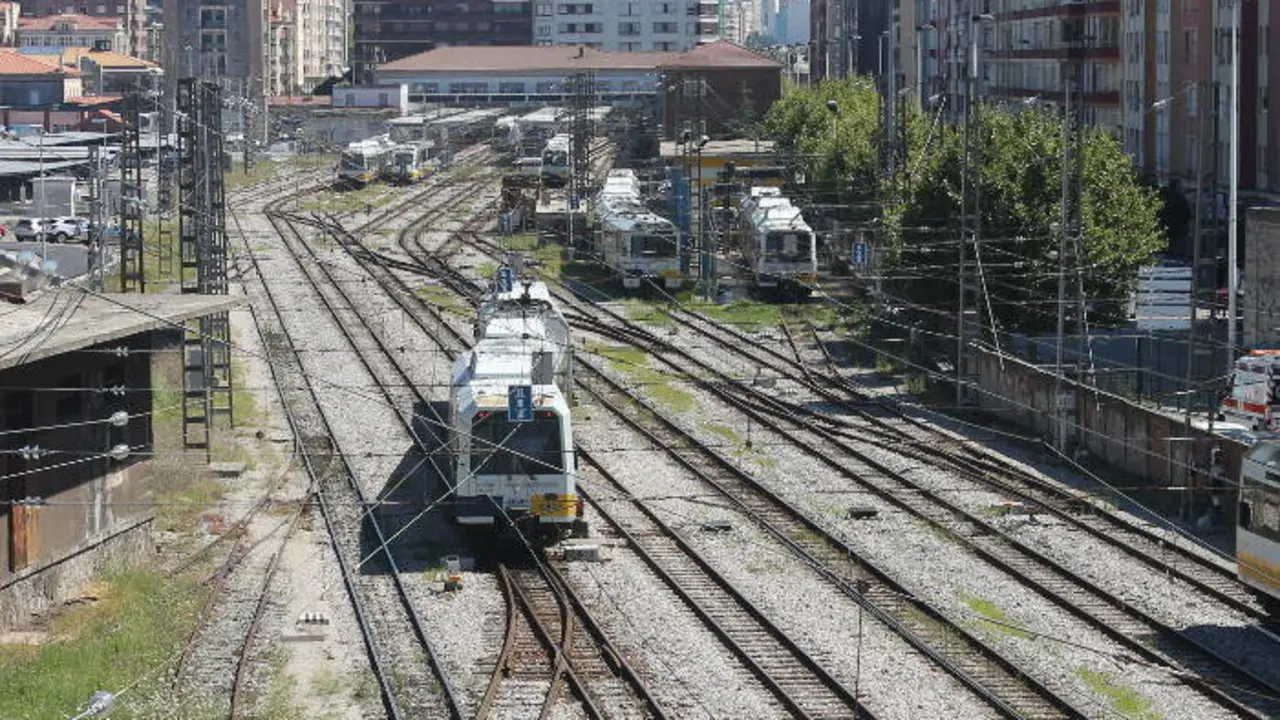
(635, 243)
(411, 162)
(510, 472)
(557, 159)
(779, 248)
(1258, 524)
(364, 162)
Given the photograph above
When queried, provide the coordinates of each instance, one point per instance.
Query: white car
(66, 228)
(28, 229)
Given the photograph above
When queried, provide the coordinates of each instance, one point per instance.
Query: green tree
(828, 146)
(1021, 190)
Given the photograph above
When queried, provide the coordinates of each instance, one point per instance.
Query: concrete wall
(1130, 437)
(1261, 301)
(80, 496)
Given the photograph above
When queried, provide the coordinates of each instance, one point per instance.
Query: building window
(665, 28)
(630, 29)
(511, 88)
(545, 88)
(1191, 45)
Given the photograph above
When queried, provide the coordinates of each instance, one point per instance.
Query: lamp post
(921, 39)
(970, 165)
(705, 260)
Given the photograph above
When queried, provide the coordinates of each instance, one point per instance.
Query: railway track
(411, 681)
(802, 686)
(881, 426)
(597, 672)
(542, 653)
(976, 664)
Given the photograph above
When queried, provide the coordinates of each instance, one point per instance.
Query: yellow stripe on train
(552, 505)
(1258, 571)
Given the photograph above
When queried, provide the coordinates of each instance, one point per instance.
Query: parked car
(28, 229)
(67, 228)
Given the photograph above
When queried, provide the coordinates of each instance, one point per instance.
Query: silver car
(28, 229)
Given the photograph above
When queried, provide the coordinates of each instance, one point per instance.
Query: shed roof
(719, 54)
(69, 320)
(525, 58)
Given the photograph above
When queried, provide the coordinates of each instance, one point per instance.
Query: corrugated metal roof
(15, 168)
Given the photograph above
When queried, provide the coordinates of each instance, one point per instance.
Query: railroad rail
(603, 664)
(975, 663)
(346, 508)
(798, 681)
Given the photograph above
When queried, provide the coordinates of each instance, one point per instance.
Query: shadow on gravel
(419, 525)
(1255, 650)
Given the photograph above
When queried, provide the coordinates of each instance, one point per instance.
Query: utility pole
(971, 213)
(1071, 223)
(1233, 199)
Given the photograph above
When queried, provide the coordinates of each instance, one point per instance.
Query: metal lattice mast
(582, 88)
(97, 220)
(132, 204)
(202, 241)
(164, 194)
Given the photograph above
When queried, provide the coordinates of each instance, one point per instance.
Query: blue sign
(506, 279)
(859, 253)
(519, 403)
(573, 201)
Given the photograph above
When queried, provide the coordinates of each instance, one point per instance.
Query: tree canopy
(1019, 155)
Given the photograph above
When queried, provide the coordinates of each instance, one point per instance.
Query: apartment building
(106, 32)
(132, 12)
(792, 24)
(636, 25)
(387, 30)
(848, 36)
(257, 47)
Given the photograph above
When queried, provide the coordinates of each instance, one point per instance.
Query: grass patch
(139, 622)
(244, 403)
(279, 702)
(723, 431)
(1126, 701)
(444, 300)
(178, 509)
(635, 365)
(261, 171)
(551, 258)
(990, 611)
(746, 315)
(486, 270)
(647, 312)
(521, 241)
(356, 200)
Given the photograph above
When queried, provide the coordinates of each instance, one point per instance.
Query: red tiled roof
(49, 23)
(720, 54)
(12, 63)
(518, 58)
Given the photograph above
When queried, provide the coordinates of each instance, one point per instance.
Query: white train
(557, 158)
(1258, 523)
(364, 161)
(779, 248)
(508, 471)
(635, 243)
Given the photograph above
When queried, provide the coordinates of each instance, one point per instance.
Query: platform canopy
(70, 319)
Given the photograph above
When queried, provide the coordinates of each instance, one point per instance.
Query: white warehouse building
(522, 74)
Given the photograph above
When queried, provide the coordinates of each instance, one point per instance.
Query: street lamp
(921, 41)
(1233, 232)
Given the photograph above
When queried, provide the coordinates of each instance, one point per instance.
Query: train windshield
(354, 162)
(405, 157)
(499, 447)
(556, 159)
(653, 245)
(786, 247)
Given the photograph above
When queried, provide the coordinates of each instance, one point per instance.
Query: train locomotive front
(634, 242)
(510, 472)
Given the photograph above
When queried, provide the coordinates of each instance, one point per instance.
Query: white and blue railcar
(635, 243)
(557, 159)
(509, 472)
(779, 248)
(364, 161)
